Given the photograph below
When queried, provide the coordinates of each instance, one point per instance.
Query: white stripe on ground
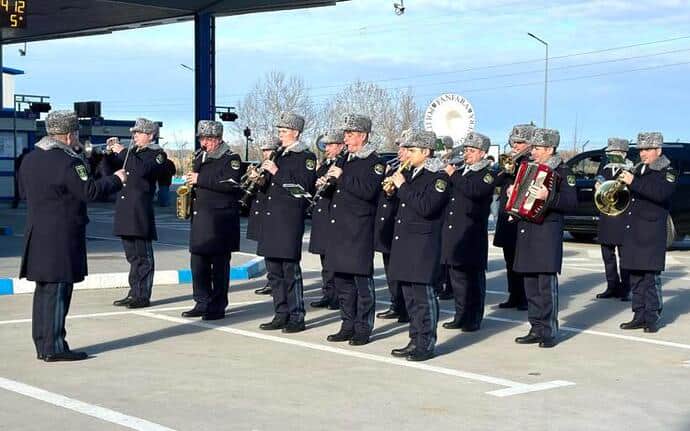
(92, 410)
(516, 386)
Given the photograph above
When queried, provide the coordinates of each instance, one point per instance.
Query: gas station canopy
(52, 19)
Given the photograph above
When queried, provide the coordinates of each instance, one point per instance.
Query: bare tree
(272, 94)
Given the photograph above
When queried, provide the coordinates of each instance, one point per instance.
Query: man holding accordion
(539, 249)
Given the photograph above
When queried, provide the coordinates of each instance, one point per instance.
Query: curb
(252, 269)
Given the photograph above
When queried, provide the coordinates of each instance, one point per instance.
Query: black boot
(274, 324)
(403, 352)
(610, 292)
(388, 314)
(340, 336)
(530, 338)
(66, 356)
(266, 290)
(321, 303)
(122, 302)
(635, 323)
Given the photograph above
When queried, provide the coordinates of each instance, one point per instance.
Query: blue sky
(479, 49)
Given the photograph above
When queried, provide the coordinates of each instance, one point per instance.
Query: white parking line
(515, 387)
(92, 410)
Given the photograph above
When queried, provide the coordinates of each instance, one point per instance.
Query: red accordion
(522, 203)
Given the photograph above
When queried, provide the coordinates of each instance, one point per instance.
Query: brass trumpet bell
(612, 198)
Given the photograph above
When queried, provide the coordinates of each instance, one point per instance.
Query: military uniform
(215, 224)
(465, 240)
(415, 255)
(350, 247)
(539, 251)
(643, 252)
(282, 228)
(134, 220)
(54, 181)
(321, 225)
(505, 235)
(610, 230)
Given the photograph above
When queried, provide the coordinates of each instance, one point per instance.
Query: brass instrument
(91, 150)
(183, 204)
(387, 184)
(250, 186)
(507, 162)
(612, 197)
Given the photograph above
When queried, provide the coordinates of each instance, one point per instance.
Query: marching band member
(414, 260)
(282, 224)
(56, 185)
(267, 145)
(350, 248)
(465, 243)
(539, 250)
(134, 219)
(643, 254)
(215, 230)
(506, 230)
(383, 238)
(610, 230)
(321, 221)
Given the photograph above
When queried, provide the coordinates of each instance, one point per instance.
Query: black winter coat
(644, 241)
(134, 214)
(215, 206)
(56, 187)
(415, 249)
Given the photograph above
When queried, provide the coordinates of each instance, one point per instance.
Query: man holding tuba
(643, 253)
(539, 250)
(505, 236)
(610, 229)
(215, 230)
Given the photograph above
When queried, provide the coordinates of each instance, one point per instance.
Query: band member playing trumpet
(506, 230)
(414, 260)
(134, 219)
(350, 247)
(215, 230)
(282, 224)
(643, 254)
(465, 243)
(383, 238)
(539, 251)
(320, 219)
(610, 229)
(267, 145)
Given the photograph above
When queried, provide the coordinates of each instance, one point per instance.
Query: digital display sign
(13, 13)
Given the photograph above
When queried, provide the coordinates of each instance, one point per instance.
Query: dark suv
(582, 225)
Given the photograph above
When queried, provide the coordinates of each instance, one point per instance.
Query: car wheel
(581, 236)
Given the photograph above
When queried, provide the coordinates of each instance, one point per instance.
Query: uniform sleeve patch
(379, 169)
(671, 177)
(311, 164)
(160, 158)
(235, 164)
(571, 180)
(488, 178)
(440, 185)
(81, 171)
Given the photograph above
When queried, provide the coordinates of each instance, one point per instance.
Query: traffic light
(228, 116)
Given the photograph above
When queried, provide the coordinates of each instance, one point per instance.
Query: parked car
(582, 225)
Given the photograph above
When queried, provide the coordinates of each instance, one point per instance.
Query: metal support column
(204, 68)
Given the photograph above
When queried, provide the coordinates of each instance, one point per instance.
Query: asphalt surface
(153, 370)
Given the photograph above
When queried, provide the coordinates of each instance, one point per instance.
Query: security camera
(399, 8)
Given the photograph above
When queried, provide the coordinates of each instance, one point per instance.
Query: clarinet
(252, 186)
(321, 190)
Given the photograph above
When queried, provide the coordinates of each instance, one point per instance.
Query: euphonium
(612, 197)
(387, 184)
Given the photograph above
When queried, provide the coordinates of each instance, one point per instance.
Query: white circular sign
(450, 115)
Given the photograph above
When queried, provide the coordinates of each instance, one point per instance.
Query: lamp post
(546, 71)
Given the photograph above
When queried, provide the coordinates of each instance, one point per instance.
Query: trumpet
(91, 150)
(507, 162)
(388, 185)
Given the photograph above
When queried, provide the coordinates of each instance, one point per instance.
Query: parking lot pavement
(153, 370)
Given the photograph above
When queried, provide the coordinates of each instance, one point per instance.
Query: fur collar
(627, 165)
(554, 161)
(49, 143)
(219, 152)
(434, 164)
(479, 165)
(152, 146)
(297, 147)
(661, 163)
(366, 150)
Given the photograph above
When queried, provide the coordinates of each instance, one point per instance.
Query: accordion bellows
(522, 203)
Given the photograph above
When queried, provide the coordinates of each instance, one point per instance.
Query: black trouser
(285, 279)
(516, 285)
(139, 253)
(50, 308)
(422, 305)
(469, 291)
(397, 299)
(357, 298)
(328, 283)
(647, 302)
(210, 282)
(542, 303)
(442, 284)
(619, 284)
